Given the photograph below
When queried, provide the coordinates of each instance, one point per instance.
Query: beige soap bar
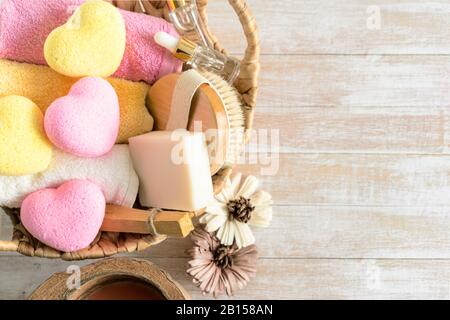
(173, 169)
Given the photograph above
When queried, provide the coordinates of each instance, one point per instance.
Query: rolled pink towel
(25, 25)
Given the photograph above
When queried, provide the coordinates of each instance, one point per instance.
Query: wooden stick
(128, 220)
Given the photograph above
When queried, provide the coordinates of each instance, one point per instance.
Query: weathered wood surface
(363, 185)
(340, 26)
(280, 278)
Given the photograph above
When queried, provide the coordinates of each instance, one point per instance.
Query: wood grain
(357, 179)
(355, 130)
(342, 232)
(294, 278)
(354, 81)
(345, 232)
(339, 26)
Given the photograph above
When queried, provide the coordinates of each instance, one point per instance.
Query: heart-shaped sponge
(86, 121)
(67, 218)
(24, 148)
(91, 43)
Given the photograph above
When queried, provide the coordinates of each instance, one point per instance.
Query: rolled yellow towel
(43, 85)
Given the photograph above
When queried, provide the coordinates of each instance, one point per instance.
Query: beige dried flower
(219, 269)
(238, 206)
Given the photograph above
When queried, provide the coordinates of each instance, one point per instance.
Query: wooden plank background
(363, 185)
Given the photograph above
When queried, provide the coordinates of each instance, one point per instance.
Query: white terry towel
(114, 173)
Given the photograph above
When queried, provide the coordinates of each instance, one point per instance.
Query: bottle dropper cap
(167, 41)
(181, 48)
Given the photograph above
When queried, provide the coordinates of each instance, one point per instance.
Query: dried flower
(235, 208)
(219, 269)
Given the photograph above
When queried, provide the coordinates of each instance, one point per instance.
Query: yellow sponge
(24, 148)
(43, 85)
(91, 43)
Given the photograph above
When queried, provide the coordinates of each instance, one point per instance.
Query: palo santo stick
(128, 220)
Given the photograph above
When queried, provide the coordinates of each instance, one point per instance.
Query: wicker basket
(108, 243)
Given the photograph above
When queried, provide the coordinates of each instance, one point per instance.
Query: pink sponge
(25, 25)
(86, 121)
(68, 218)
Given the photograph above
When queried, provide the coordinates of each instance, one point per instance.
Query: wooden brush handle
(180, 101)
(128, 220)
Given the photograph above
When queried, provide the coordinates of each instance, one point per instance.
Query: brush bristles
(235, 112)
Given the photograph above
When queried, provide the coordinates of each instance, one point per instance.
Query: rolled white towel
(114, 173)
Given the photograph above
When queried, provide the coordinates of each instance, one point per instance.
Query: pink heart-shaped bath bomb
(86, 121)
(67, 218)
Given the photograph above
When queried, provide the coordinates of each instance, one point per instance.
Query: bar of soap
(173, 169)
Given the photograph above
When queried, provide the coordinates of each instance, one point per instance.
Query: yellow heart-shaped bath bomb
(24, 147)
(91, 43)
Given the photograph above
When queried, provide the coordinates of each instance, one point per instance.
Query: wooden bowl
(96, 279)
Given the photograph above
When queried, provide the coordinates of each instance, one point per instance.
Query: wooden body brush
(128, 220)
(215, 105)
(235, 113)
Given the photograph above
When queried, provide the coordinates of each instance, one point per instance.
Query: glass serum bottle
(200, 57)
(186, 19)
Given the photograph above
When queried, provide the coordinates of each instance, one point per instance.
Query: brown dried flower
(219, 269)
(240, 209)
